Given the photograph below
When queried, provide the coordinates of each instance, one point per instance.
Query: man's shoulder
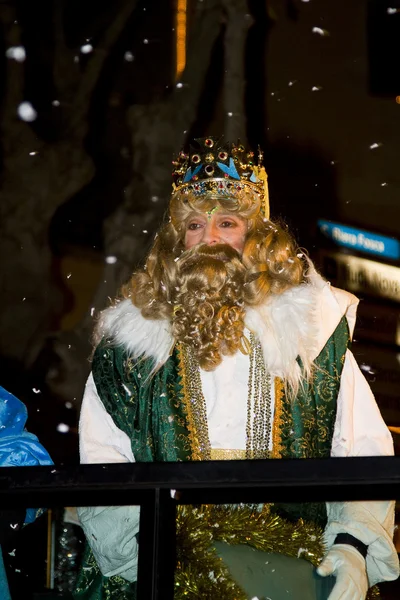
(331, 305)
(123, 325)
(299, 322)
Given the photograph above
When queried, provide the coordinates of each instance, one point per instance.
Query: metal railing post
(157, 547)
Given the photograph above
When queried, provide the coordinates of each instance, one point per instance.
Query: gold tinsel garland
(202, 575)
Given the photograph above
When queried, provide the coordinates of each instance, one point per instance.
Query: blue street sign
(360, 240)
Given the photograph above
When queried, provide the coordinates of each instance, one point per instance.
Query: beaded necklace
(258, 421)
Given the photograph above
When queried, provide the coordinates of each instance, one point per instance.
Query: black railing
(159, 487)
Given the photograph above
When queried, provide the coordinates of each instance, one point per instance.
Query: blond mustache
(222, 252)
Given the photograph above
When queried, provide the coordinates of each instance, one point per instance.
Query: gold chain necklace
(258, 422)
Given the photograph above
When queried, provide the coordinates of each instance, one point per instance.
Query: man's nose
(211, 235)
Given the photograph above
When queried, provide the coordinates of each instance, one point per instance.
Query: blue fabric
(18, 448)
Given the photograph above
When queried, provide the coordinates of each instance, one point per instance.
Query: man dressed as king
(228, 344)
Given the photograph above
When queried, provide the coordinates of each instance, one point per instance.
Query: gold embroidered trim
(227, 454)
(277, 424)
(187, 407)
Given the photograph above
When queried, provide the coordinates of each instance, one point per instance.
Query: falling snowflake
(86, 48)
(26, 112)
(128, 56)
(128, 391)
(111, 260)
(17, 53)
(63, 428)
(320, 31)
(375, 145)
(367, 369)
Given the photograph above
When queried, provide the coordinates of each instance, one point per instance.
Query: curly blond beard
(209, 302)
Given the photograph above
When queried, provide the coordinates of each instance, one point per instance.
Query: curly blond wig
(204, 291)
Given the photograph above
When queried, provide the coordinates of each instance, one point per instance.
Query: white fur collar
(289, 326)
(124, 324)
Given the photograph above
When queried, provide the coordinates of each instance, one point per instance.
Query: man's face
(216, 227)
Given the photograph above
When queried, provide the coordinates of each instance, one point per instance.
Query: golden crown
(215, 168)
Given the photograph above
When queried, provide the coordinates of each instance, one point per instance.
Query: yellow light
(180, 28)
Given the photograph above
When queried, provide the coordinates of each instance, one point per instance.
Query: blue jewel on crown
(189, 175)
(231, 171)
